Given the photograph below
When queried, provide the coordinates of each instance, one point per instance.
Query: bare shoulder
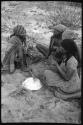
(14, 40)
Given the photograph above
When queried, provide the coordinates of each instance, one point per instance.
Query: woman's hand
(51, 60)
(52, 65)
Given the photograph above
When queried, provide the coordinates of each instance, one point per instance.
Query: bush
(66, 15)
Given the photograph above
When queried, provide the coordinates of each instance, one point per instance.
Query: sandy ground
(25, 105)
(21, 105)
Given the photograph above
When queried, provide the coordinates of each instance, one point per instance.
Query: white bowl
(32, 83)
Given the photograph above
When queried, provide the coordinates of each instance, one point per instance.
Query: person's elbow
(67, 79)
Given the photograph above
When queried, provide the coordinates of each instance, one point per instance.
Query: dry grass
(66, 15)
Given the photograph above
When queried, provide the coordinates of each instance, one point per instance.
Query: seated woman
(15, 49)
(65, 79)
(54, 41)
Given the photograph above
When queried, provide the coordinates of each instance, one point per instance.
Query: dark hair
(71, 48)
(58, 35)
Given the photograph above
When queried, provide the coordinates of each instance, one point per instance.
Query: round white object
(32, 84)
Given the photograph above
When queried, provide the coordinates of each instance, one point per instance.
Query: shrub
(69, 16)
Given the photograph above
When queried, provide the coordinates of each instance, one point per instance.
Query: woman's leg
(67, 96)
(42, 49)
(54, 82)
(53, 78)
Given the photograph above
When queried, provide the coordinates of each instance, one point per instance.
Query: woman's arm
(65, 75)
(55, 67)
(51, 46)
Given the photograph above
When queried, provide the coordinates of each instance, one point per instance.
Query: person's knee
(47, 73)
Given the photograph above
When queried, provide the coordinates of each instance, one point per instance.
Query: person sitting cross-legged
(65, 79)
(15, 50)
